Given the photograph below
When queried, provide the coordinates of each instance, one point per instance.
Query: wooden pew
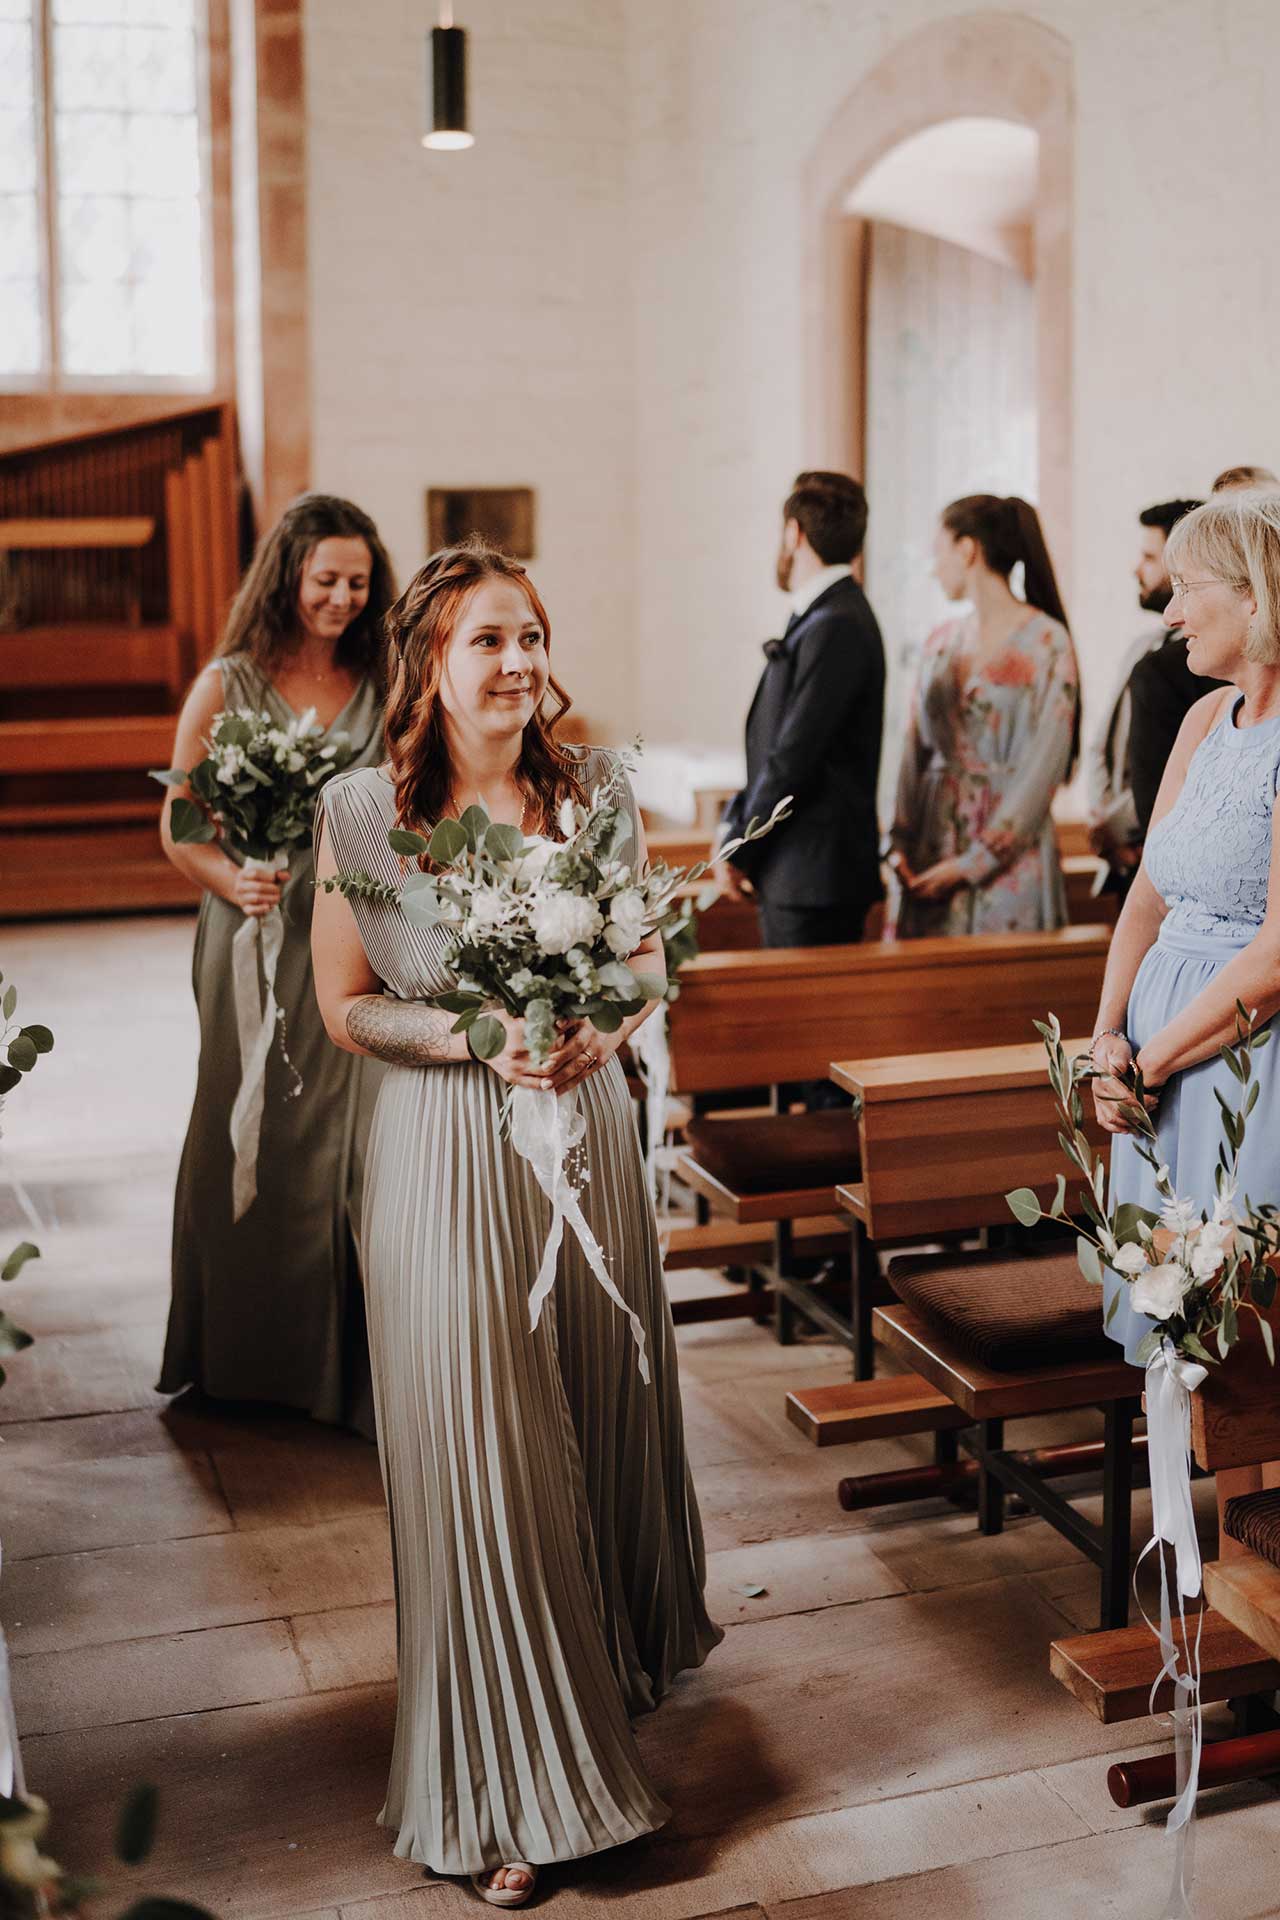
(773, 1017)
(943, 1138)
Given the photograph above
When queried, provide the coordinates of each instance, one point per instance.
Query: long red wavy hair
(419, 627)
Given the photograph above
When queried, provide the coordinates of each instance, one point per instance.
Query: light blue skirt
(1188, 1118)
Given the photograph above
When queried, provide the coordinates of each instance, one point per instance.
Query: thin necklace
(524, 807)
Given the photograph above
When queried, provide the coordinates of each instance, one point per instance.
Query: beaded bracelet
(1114, 1033)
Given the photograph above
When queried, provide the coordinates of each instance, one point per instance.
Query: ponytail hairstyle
(419, 628)
(1008, 531)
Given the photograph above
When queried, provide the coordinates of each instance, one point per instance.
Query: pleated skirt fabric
(548, 1553)
(1188, 1118)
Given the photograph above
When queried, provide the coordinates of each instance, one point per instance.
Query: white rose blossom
(1159, 1292)
(486, 913)
(535, 858)
(627, 917)
(1130, 1260)
(563, 920)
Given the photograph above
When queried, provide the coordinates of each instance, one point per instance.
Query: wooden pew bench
(774, 1017)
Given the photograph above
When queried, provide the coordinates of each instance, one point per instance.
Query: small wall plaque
(503, 515)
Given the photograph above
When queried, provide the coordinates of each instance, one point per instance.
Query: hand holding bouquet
(543, 930)
(255, 791)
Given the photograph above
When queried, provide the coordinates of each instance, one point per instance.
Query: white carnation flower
(1130, 1259)
(627, 916)
(563, 920)
(1159, 1292)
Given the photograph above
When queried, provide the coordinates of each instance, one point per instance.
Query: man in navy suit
(814, 732)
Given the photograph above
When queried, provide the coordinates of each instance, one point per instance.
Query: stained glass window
(124, 182)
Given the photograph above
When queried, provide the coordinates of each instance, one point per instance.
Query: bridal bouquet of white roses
(543, 929)
(256, 792)
(1193, 1273)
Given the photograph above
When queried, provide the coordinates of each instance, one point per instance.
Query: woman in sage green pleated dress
(269, 1307)
(548, 1550)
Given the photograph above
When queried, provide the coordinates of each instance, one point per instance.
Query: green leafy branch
(1210, 1306)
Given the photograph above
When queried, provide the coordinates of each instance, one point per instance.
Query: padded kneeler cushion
(1008, 1311)
(777, 1152)
(1254, 1520)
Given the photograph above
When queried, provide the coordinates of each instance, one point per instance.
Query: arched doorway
(984, 67)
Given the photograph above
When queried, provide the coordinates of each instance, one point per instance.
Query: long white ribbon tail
(257, 1018)
(11, 1780)
(1170, 1382)
(652, 1052)
(545, 1128)
(19, 1192)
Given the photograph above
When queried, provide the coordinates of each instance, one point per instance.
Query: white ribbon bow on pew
(1170, 1382)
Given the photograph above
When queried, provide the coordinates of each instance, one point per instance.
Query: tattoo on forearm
(401, 1031)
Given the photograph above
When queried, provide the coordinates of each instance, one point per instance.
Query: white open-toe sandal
(505, 1896)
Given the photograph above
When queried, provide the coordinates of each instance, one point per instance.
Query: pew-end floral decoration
(1192, 1272)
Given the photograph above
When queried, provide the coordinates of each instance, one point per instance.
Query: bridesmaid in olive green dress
(547, 1547)
(269, 1308)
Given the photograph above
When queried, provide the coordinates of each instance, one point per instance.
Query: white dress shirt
(803, 597)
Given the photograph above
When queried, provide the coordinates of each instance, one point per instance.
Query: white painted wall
(604, 297)
(1177, 152)
(471, 312)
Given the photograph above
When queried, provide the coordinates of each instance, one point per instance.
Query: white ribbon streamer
(652, 1054)
(257, 1017)
(11, 1780)
(545, 1129)
(1171, 1381)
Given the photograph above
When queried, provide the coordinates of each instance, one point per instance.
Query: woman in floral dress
(990, 737)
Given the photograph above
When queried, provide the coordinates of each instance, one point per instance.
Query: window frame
(52, 381)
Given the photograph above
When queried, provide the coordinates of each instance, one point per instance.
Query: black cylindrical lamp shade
(447, 56)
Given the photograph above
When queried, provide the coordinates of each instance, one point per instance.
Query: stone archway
(990, 65)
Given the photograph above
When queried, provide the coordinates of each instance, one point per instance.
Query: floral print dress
(988, 744)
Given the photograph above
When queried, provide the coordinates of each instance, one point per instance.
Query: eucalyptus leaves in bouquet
(542, 929)
(1191, 1271)
(256, 790)
(257, 785)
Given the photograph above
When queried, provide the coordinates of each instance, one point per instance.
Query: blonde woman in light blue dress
(1200, 928)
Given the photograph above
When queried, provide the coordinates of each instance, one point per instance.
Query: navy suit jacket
(814, 732)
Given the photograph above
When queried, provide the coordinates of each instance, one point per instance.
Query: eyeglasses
(1182, 588)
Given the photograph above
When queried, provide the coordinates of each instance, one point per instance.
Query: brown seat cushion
(777, 1152)
(1254, 1520)
(1008, 1311)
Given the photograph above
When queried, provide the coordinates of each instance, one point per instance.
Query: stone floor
(203, 1599)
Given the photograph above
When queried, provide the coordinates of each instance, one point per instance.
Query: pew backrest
(943, 1137)
(784, 1014)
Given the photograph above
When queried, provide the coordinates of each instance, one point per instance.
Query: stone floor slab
(346, 1647)
(148, 1679)
(798, 1575)
(86, 1504)
(131, 1593)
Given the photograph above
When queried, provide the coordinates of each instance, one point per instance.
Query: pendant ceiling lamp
(447, 86)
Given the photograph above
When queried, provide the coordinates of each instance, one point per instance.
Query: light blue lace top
(1209, 858)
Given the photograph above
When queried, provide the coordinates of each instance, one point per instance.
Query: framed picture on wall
(503, 515)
